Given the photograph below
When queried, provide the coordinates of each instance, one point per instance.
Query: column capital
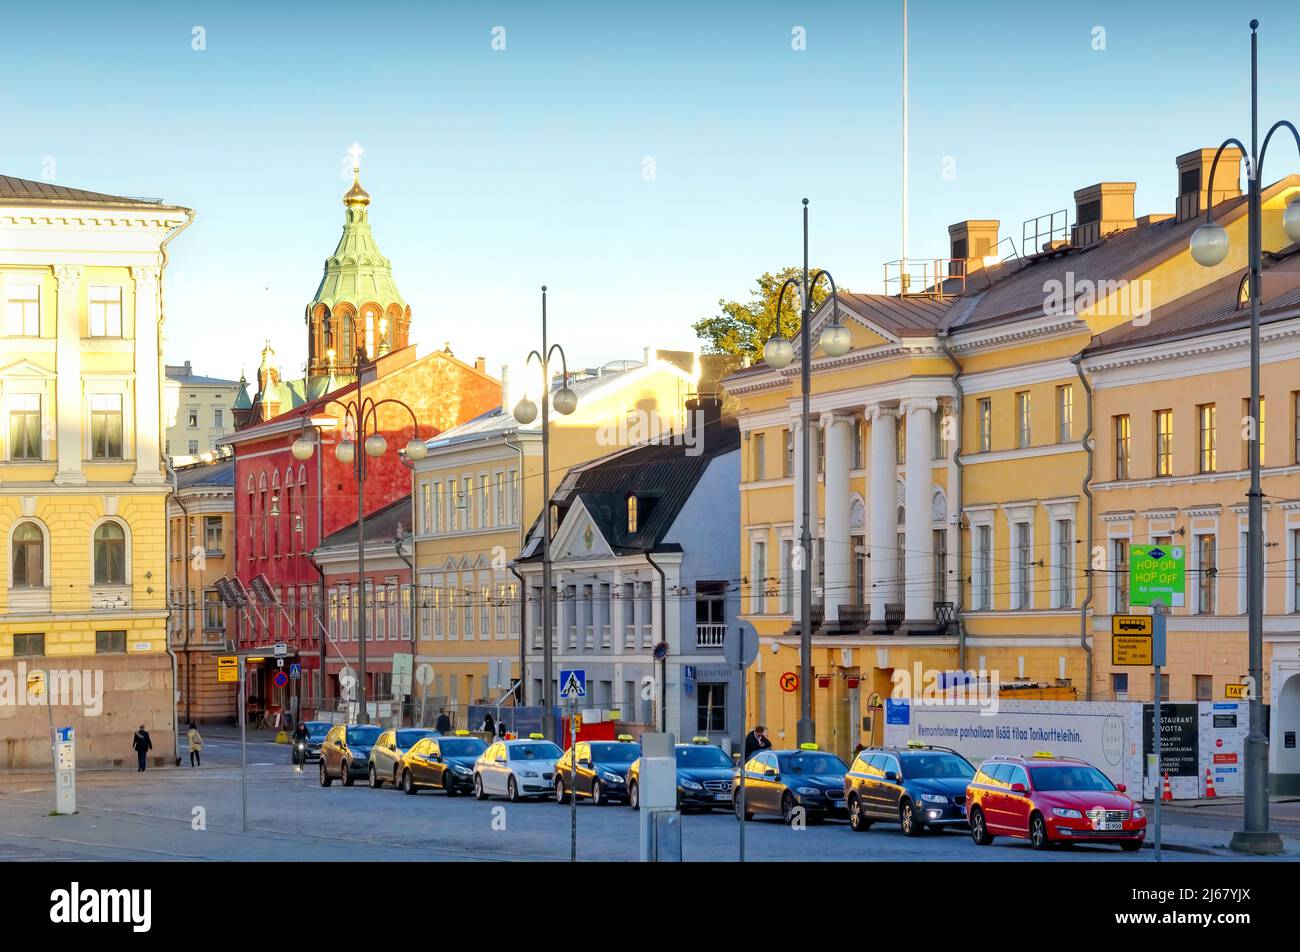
(146, 278)
(831, 417)
(919, 404)
(68, 276)
(876, 410)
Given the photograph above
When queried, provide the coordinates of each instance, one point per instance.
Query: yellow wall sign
(1131, 650)
(227, 669)
(1131, 625)
(35, 683)
(1235, 692)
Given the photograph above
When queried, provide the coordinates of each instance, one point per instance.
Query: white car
(515, 769)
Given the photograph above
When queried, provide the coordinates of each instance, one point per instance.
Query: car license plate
(1105, 825)
(721, 796)
(961, 810)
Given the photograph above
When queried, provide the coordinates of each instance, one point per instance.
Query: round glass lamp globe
(1291, 221)
(376, 445)
(303, 448)
(565, 401)
(525, 411)
(778, 352)
(1209, 245)
(835, 340)
(345, 452)
(416, 449)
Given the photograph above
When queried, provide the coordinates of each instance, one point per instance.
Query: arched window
(28, 556)
(110, 554)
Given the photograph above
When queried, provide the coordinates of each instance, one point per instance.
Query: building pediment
(579, 537)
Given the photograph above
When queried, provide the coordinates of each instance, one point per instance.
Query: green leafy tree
(743, 327)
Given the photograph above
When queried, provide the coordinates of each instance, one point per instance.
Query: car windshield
(406, 739)
(812, 764)
(363, 736)
(934, 766)
(614, 753)
(1070, 778)
(697, 757)
(317, 730)
(462, 747)
(539, 751)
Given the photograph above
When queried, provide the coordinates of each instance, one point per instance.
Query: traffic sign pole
(740, 648)
(243, 740)
(573, 793)
(1158, 612)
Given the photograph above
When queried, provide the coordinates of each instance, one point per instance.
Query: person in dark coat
(444, 723)
(142, 744)
(756, 740)
(489, 726)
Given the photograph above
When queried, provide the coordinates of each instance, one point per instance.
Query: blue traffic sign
(295, 670)
(573, 682)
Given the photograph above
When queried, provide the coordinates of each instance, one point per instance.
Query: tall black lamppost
(1209, 246)
(779, 352)
(565, 402)
(361, 421)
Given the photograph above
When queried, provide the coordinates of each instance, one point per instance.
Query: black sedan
(704, 774)
(780, 782)
(602, 770)
(441, 763)
(917, 787)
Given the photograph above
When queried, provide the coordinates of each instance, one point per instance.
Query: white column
(67, 365)
(809, 559)
(148, 376)
(882, 496)
(918, 482)
(838, 429)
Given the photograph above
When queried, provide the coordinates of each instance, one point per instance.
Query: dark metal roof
(29, 192)
(381, 526)
(220, 473)
(661, 475)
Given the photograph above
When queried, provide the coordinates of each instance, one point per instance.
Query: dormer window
(631, 514)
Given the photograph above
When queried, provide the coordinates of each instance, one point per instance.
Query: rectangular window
(484, 501)
(819, 437)
(1020, 594)
(105, 311)
(985, 425)
(23, 311)
(466, 502)
(192, 416)
(1164, 442)
(1204, 687)
(787, 469)
(1295, 570)
(501, 499)
(218, 420)
(106, 426)
(213, 534)
(939, 542)
(512, 511)
(1123, 445)
(484, 611)
(1119, 576)
(900, 441)
(1295, 426)
(938, 424)
(110, 642)
(984, 568)
(467, 612)
(214, 610)
(29, 646)
(1164, 686)
(1064, 562)
(760, 456)
(1064, 413)
(859, 444)
(1119, 686)
(711, 709)
(1207, 572)
(1023, 433)
(786, 582)
(426, 506)
(194, 447)
(25, 426)
(758, 577)
(1207, 453)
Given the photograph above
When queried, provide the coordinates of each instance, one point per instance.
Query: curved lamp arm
(1209, 201)
(371, 415)
(835, 295)
(1280, 124)
(780, 299)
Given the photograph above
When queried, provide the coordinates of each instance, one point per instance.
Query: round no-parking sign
(281, 679)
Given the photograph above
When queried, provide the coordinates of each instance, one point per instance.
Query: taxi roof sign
(808, 745)
(916, 743)
(625, 737)
(699, 740)
(536, 736)
(462, 733)
(1045, 754)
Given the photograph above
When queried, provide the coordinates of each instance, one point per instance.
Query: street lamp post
(565, 402)
(779, 352)
(361, 416)
(1209, 247)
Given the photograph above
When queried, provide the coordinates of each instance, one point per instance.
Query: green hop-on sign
(1157, 572)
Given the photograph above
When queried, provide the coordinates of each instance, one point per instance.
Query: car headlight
(1139, 813)
(807, 791)
(611, 777)
(457, 768)
(689, 784)
(528, 773)
(933, 798)
(1066, 813)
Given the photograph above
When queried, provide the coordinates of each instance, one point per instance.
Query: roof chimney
(1101, 210)
(971, 241)
(1194, 180)
(480, 364)
(505, 389)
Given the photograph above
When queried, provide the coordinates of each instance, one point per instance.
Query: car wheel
(325, 778)
(559, 791)
(735, 805)
(375, 782)
(512, 790)
(787, 808)
(858, 821)
(597, 794)
(408, 783)
(907, 819)
(634, 796)
(979, 830)
(1131, 846)
(345, 773)
(1038, 832)
(479, 792)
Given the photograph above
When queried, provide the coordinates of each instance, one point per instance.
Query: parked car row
(1042, 798)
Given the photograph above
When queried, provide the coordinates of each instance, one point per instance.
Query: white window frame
(12, 299)
(97, 299)
(757, 574)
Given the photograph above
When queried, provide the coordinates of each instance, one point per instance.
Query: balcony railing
(709, 636)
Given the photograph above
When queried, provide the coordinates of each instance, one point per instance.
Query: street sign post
(424, 676)
(227, 669)
(1157, 572)
(573, 682)
(740, 648)
(1159, 611)
(243, 739)
(573, 686)
(1130, 639)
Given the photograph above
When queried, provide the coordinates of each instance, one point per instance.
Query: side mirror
(891, 776)
(769, 773)
(501, 760)
(1122, 788)
(1018, 788)
(584, 763)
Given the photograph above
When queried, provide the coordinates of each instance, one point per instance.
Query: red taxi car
(1050, 800)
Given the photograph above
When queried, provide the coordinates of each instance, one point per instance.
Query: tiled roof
(381, 526)
(221, 473)
(29, 192)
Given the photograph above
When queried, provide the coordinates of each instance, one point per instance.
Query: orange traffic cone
(1209, 785)
(1166, 793)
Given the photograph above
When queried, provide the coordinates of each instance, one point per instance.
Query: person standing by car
(756, 740)
(195, 741)
(443, 724)
(142, 745)
(488, 726)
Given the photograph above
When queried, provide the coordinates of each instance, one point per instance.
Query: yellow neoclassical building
(83, 486)
(479, 491)
(953, 507)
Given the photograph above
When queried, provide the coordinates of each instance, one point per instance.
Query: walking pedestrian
(756, 740)
(443, 724)
(142, 744)
(195, 740)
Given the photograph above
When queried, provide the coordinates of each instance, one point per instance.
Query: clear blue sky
(495, 172)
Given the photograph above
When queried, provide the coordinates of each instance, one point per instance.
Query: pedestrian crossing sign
(573, 682)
